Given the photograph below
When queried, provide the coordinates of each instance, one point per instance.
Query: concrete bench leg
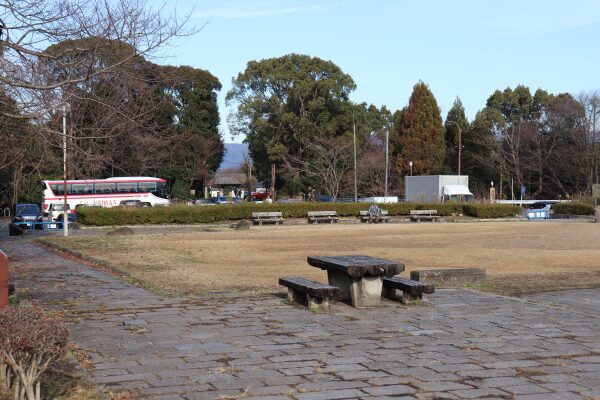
(366, 292)
(408, 298)
(388, 293)
(295, 296)
(314, 303)
(343, 282)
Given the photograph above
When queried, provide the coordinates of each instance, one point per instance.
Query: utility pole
(273, 181)
(387, 141)
(65, 204)
(459, 143)
(355, 182)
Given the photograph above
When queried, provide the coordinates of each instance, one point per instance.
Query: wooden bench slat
(267, 214)
(322, 213)
(323, 216)
(365, 216)
(417, 215)
(314, 289)
(415, 288)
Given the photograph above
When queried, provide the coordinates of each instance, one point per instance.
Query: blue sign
(522, 190)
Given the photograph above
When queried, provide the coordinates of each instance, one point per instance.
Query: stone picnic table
(358, 277)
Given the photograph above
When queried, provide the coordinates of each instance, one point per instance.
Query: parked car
(59, 220)
(29, 215)
(131, 203)
(226, 200)
(203, 202)
(538, 210)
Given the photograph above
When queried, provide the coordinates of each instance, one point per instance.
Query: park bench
(270, 217)
(322, 216)
(418, 215)
(365, 216)
(307, 292)
(411, 290)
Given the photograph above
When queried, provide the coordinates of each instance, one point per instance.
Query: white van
(56, 209)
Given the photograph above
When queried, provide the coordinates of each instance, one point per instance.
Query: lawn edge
(103, 265)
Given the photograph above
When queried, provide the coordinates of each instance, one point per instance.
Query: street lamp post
(459, 143)
(65, 210)
(410, 165)
(387, 140)
(354, 140)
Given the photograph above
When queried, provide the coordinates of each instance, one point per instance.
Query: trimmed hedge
(491, 210)
(208, 214)
(573, 209)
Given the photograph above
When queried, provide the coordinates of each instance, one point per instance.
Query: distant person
(374, 213)
(268, 199)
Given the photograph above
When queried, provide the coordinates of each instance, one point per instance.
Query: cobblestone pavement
(458, 345)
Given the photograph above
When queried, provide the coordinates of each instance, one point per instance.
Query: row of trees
(130, 116)
(296, 116)
(126, 115)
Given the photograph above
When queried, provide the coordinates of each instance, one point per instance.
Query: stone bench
(275, 217)
(365, 216)
(451, 276)
(428, 215)
(322, 216)
(307, 292)
(411, 290)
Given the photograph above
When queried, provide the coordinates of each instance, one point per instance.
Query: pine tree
(455, 116)
(421, 134)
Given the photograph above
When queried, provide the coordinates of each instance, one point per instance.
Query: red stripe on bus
(101, 181)
(93, 196)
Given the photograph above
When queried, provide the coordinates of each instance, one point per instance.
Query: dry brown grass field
(520, 257)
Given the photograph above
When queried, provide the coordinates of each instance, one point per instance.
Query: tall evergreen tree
(421, 133)
(456, 117)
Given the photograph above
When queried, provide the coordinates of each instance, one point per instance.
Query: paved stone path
(458, 345)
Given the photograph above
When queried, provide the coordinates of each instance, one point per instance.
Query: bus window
(128, 187)
(104, 188)
(58, 189)
(82, 188)
(163, 191)
(148, 187)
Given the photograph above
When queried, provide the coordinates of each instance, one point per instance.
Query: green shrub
(573, 208)
(181, 214)
(491, 210)
(442, 209)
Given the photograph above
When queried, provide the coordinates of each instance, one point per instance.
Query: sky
(464, 48)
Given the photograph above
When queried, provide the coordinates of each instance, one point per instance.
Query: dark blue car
(28, 215)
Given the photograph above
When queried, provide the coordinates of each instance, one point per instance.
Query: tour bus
(109, 192)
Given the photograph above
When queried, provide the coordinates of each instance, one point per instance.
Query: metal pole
(65, 204)
(273, 181)
(459, 147)
(354, 138)
(387, 140)
(459, 142)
